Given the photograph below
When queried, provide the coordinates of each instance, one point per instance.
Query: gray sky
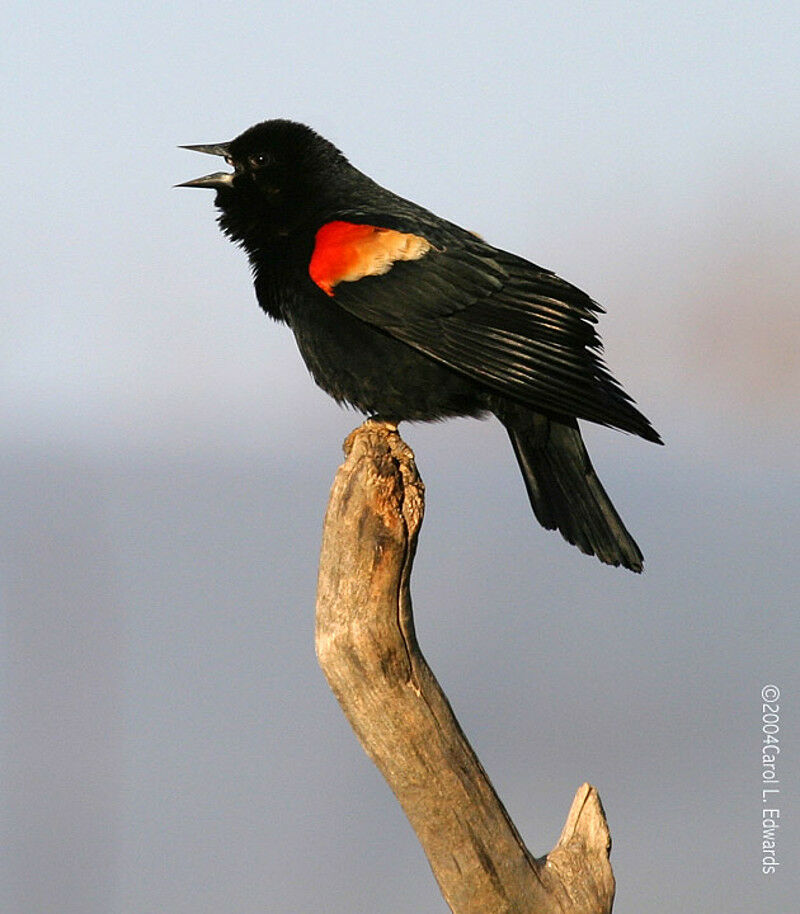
(165, 460)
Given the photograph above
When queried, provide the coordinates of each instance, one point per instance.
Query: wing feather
(517, 328)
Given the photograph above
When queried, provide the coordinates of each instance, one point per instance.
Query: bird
(406, 316)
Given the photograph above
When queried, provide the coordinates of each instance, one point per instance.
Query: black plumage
(407, 316)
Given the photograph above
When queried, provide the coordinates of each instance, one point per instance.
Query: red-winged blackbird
(404, 315)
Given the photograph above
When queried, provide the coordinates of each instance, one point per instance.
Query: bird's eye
(259, 159)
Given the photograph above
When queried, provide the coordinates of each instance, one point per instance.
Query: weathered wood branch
(369, 653)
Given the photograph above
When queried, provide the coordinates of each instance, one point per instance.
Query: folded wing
(519, 329)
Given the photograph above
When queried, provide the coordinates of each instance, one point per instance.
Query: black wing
(517, 328)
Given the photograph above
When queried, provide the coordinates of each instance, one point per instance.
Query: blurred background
(169, 743)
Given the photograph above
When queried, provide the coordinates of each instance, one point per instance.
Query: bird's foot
(389, 424)
(376, 426)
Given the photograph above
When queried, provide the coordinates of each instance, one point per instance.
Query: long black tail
(564, 490)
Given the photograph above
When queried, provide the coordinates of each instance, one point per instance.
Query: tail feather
(564, 490)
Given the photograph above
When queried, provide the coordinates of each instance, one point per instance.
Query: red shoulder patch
(346, 252)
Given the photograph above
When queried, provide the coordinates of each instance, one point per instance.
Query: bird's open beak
(217, 180)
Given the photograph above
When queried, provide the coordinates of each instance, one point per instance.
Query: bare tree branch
(368, 650)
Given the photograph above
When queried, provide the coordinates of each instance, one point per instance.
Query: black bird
(405, 315)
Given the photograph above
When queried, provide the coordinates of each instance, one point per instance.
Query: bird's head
(283, 173)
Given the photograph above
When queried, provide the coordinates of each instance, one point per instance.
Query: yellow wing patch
(346, 252)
